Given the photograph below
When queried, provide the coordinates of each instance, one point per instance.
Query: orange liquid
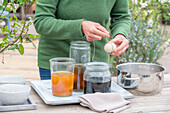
(62, 83)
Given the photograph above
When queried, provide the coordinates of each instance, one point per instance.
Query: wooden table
(140, 104)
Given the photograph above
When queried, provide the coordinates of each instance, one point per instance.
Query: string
(94, 47)
(3, 57)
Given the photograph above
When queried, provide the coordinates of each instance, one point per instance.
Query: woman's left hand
(121, 44)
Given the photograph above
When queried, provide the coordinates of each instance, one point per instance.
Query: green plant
(13, 39)
(155, 9)
(147, 38)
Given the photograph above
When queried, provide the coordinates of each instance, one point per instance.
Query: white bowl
(12, 79)
(14, 94)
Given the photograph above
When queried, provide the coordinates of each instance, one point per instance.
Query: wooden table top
(139, 104)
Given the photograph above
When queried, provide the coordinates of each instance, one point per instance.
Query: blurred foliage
(13, 38)
(147, 37)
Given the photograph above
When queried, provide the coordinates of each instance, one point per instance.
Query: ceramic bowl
(12, 79)
(14, 94)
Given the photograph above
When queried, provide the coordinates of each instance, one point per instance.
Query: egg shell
(110, 47)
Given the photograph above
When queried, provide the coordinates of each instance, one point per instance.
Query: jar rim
(80, 43)
(61, 60)
(97, 65)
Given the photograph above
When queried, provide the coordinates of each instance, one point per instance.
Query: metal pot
(141, 78)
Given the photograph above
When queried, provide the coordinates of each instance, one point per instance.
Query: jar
(62, 76)
(97, 78)
(80, 51)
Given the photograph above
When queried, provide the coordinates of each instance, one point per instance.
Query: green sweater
(59, 22)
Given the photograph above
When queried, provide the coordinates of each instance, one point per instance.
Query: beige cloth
(104, 102)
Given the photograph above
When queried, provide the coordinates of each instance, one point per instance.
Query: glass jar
(80, 51)
(62, 75)
(97, 78)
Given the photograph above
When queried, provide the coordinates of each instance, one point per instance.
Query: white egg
(110, 47)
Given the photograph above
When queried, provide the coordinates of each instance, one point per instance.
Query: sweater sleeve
(120, 18)
(46, 23)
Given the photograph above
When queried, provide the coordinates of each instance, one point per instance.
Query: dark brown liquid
(78, 77)
(91, 86)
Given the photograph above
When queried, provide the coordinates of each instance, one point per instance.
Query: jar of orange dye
(62, 76)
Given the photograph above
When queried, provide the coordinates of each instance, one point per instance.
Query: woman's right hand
(93, 30)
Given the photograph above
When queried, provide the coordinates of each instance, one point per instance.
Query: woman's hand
(93, 31)
(121, 44)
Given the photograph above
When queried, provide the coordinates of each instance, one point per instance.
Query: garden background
(149, 39)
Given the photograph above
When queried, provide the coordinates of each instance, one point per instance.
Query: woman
(61, 21)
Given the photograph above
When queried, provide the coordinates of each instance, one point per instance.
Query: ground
(26, 65)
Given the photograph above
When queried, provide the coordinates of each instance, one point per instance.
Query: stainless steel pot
(141, 78)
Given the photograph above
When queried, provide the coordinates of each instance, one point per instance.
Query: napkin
(104, 102)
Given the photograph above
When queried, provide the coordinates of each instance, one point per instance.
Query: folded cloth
(104, 102)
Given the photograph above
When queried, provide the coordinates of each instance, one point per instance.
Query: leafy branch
(11, 38)
(4, 7)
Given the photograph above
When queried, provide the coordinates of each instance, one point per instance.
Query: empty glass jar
(80, 51)
(97, 78)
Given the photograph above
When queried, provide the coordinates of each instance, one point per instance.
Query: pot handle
(125, 77)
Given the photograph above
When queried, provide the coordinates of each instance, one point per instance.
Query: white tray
(28, 105)
(43, 88)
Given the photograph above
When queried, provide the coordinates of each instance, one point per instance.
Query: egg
(110, 47)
